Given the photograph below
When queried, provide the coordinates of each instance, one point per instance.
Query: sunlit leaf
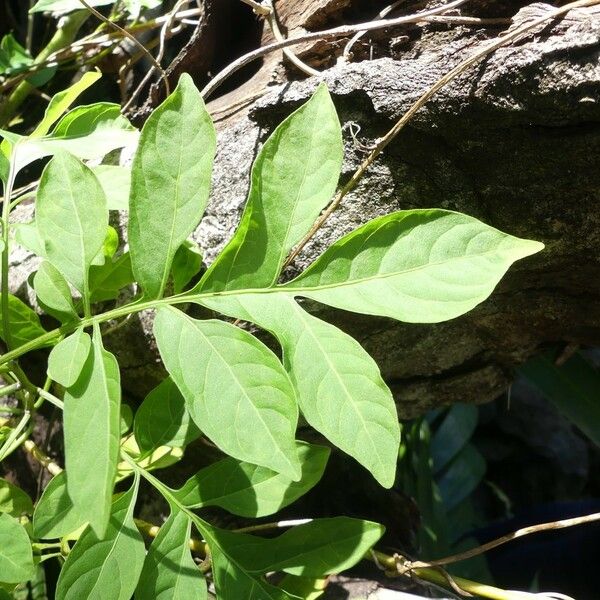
(340, 390)
(53, 292)
(24, 324)
(170, 181)
(235, 389)
(419, 266)
(293, 178)
(71, 217)
(68, 358)
(92, 426)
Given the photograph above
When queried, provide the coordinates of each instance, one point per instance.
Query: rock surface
(513, 141)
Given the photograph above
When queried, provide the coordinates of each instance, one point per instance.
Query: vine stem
(422, 100)
(327, 34)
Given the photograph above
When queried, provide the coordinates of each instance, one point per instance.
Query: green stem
(9, 389)
(64, 36)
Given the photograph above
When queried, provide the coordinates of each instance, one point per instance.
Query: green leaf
(53, 292)
(14, 500)
(170, 181)
(16, 558)
(116, 183)
(233, 582)
(64, 6)
(249, 490)
(108, 280)
(169, 571)
(461, 477)
(68, 358)
(186, 264)
(88, 132)
(106, 568)
(162, 420)
(418, 266)
(293, 178)
(55, 516)
(27, 236)
(24, 326)
(574, 388)
(92, 426)
(72, 217)
(453, 434)
(13, 57)
(236, 390)
(60, 102)
(318, 548)
(339, 386)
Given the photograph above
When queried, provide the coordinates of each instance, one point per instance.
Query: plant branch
(328, 34)
(423, 99)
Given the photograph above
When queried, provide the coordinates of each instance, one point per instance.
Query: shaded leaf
(453, 433)
(318, 548)
(68, 358)
(418, 266)
(55, 515)
(574, 388)
(24, 325)
(13, 57)
(461, 477)
(162, 420)
(14, 500)
(92, 427)
(107, 568)
(249, 490)
(186, 264)
(16, 558)
(53, 292)
(293, 178)
(235, 389)
(233, 582)
(108, 280)
(169, 571)
(170, 181)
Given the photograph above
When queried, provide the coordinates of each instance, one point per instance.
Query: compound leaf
(169, 571)
(72, 217)
(235, 388)
(249, 490)
(16, 557)
(92, 428)
(418, 266)
(162, 419)
(293, 178)
(68, 357)
(170, 181)
(107, 567)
